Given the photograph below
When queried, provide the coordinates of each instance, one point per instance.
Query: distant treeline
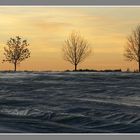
(79, 70)
(92, 70)
(106, 70)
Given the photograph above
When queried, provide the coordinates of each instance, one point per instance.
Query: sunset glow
(46, 29)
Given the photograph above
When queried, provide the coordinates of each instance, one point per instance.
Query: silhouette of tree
(76, 49)
(132, 50)
(16, 51)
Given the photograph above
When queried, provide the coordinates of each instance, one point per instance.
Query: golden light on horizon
(46, 28)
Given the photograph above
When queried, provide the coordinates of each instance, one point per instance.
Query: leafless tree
(76, 49)
(16, 51)
(132, 50)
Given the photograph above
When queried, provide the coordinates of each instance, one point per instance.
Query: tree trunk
(139, 66)
(75, 68)
(15, 67)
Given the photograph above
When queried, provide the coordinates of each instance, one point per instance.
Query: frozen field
(69, 102)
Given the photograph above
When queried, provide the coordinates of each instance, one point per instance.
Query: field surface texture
(69, 102)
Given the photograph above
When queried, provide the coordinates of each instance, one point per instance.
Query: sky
(46, 29)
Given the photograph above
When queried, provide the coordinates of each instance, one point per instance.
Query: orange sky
(46, 28)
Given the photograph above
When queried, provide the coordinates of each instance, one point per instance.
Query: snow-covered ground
(58, 102)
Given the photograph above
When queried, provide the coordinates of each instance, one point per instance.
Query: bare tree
(132, 50)
(76, 49)
(16, 51)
